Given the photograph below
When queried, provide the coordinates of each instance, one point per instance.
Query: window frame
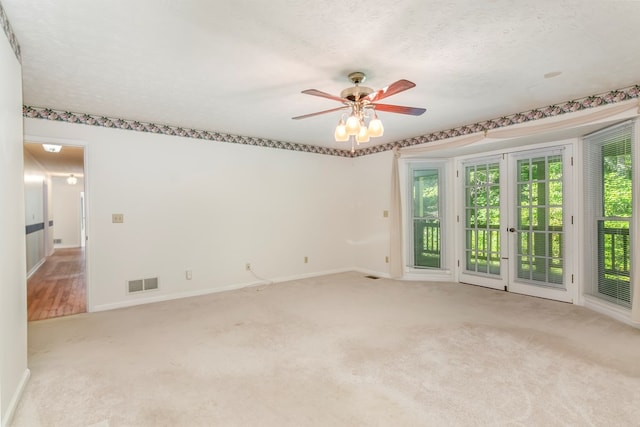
(444, 200)
(594, 157)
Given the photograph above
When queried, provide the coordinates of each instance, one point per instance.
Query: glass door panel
(483, 237)
(538, 233)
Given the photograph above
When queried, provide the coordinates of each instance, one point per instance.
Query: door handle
(512, 230)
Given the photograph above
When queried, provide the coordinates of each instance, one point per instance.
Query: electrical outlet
(306, 259)
(247, 266)
(386, 259)
(189, 274)
(117, 218)
(385, 214)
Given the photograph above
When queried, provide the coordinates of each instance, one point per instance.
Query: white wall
(13, 304)
(372, 196)
(208, 207)
(35, 187)
(67, 212)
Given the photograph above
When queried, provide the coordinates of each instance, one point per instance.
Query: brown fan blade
(319, 112)
(392, 89)
(316, 92)
(414, 111)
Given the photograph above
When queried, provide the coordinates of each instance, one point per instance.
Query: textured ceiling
(238, 66)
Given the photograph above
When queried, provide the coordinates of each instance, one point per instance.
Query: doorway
(514, 223)
(56, 266)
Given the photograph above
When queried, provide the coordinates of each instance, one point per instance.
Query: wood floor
(58, 288)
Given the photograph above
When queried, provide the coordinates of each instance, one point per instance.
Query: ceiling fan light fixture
(353, 125)
(375, 127)
(363, 134)
(363, 122)
(341, 133)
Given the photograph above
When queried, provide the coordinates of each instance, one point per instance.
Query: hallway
(58, 288)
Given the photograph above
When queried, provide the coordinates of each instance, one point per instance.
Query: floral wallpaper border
(87, 119)
(611, 97)
(13, 41)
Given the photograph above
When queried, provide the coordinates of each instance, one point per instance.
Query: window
(426, 217)
(609, 204)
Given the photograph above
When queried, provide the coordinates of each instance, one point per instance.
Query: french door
(485, 259)
(515, 222)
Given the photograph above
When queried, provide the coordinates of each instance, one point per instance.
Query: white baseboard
(172, 296)
(15, 399)
(309, 275)
(608, 309)
(200, 292)
(36, 267)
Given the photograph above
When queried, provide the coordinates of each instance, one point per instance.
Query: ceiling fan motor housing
(356, 92)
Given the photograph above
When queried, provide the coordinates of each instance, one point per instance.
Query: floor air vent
(135, 285)
(151, 283)
(140, 285)
(372, 277)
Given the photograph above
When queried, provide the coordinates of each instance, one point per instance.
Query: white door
(516, 223)
(539, 223)
(484, 259)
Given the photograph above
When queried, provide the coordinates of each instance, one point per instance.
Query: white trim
(200, 292)
(49, 140)
(60, 246)
(429, 274)
(635, 222)
(579, 251)
(609, 309)
(36, 267)
(15, 399)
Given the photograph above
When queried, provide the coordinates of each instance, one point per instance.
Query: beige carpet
(340, 350)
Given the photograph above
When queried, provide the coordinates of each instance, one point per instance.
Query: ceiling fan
(363, 103)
